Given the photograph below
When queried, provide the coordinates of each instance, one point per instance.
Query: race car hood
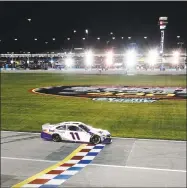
(99, 131)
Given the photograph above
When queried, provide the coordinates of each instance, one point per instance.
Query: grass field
(24, 111)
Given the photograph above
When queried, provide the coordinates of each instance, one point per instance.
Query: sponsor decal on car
(116, 93)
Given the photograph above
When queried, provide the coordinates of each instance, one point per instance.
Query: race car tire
(56, 138)
(95, 139)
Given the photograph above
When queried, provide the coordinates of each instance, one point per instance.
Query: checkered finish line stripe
(62, 171)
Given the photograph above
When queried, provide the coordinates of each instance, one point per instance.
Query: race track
(124, 163)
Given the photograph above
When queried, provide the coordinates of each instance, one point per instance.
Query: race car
(75, 132)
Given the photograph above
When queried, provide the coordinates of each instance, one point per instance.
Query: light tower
(163, 21)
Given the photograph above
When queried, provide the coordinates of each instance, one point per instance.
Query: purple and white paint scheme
(75, 132)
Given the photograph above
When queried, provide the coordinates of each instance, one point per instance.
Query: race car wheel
(95, 139)
(56, 138)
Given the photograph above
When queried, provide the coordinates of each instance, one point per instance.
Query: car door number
(75, 136)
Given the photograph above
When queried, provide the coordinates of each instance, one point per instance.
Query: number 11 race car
(75, 132)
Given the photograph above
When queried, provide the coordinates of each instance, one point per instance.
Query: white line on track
(102, 165)
(140, 139)
(19, 132)
(26, 159)
(140, 168)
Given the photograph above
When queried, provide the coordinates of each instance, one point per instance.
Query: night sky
(59, 19)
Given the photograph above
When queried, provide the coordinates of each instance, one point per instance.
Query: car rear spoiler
(46, 126)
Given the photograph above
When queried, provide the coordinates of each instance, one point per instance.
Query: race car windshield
(84, 127)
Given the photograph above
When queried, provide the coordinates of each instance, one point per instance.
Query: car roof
(76, 123)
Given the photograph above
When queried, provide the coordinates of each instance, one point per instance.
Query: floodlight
(89, 58)
(152, 57)
(131, 58)
(109, 58)
(176, 56)
(98, 38)
(69, 62)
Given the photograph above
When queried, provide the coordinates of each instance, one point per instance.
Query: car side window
(73, 128)
(62, 127)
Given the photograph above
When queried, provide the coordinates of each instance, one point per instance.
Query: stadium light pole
(176, 55)
(69, 62)
(131, 59)
(28, 61)
(109, 59)
(163, 21)
(73, 39)
(86, 31)
(68, 39)
(52, 61)
(89, 59)
(152, 57)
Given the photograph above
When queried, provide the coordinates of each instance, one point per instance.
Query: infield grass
(24, 111)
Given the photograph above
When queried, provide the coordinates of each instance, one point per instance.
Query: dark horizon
(59, 19)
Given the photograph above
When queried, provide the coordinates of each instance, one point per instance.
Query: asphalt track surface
(124, 163)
